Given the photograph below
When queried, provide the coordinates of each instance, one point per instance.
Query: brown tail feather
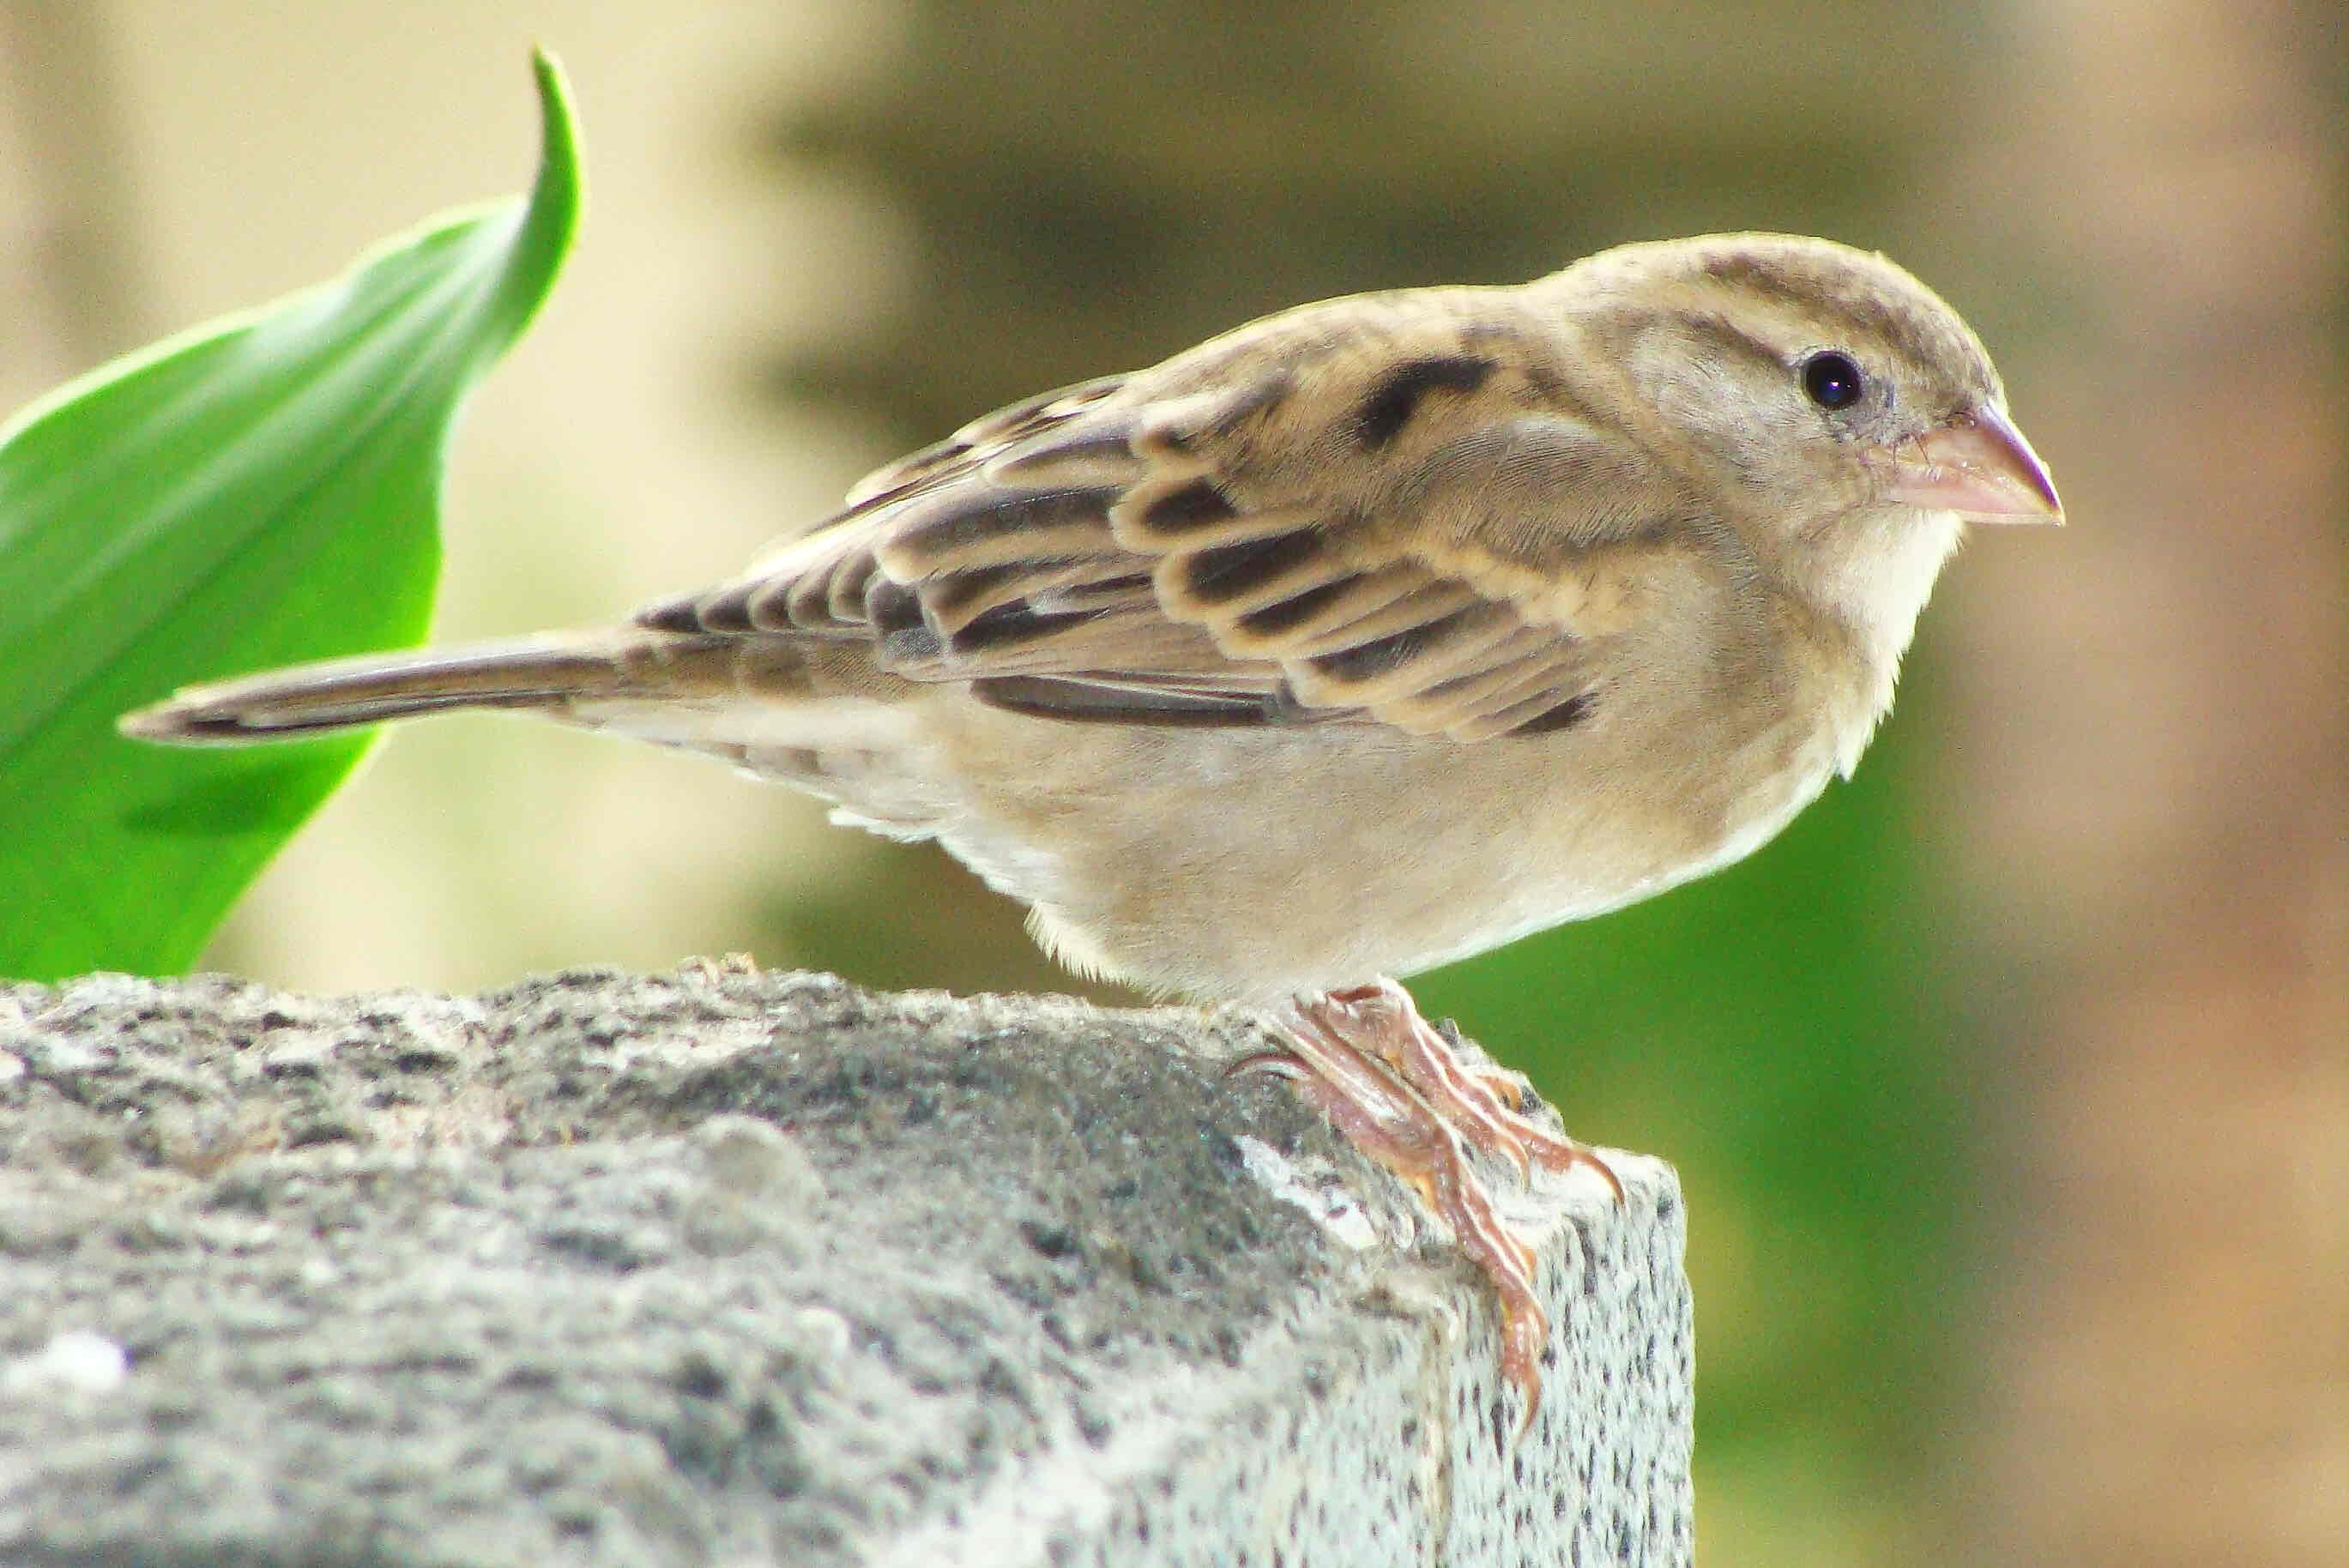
(542, 673)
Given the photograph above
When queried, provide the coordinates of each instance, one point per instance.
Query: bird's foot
(1486, 1103)
(1400, 1093)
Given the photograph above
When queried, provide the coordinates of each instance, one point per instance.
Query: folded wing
(1392, 510)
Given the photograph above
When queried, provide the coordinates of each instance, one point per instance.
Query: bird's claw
(1400, 1091)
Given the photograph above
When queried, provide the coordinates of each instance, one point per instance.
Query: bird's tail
(562, 676)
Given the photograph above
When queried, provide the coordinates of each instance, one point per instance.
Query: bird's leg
(1400, 1093)
(1483, 1102)
(1511, 1087)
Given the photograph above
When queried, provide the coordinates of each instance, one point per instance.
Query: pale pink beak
(1978, 466)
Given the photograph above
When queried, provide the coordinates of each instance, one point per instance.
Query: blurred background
(2011, 1088)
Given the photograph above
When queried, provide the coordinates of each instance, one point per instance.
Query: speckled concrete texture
(721, 1268)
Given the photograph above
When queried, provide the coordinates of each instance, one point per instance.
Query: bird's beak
(1977, 465)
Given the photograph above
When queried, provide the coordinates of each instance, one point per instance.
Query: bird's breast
(1249, 864)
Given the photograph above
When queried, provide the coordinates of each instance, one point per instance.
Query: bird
(1366, 636)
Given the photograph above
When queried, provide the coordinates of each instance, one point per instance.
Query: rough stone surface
(739, 1269)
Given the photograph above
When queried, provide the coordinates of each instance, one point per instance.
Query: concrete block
(746, 1269)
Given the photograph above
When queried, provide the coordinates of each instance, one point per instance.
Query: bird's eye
(1831, 380)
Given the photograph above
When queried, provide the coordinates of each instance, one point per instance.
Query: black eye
(1832, 380)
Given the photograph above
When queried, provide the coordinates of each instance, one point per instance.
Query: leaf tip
(556, 194)
(554, 86)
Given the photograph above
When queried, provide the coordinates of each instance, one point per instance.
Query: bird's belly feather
(1251, 864)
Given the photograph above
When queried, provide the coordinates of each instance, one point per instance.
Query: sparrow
(1361, 638)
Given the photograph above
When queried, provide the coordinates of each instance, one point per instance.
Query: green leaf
(258, 491)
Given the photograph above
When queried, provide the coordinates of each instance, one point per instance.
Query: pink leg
(1382, 1017)
(1399, 1092)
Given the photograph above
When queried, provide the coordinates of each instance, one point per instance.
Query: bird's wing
(1393, 509)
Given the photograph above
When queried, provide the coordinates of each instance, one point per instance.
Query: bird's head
(1851, 421)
